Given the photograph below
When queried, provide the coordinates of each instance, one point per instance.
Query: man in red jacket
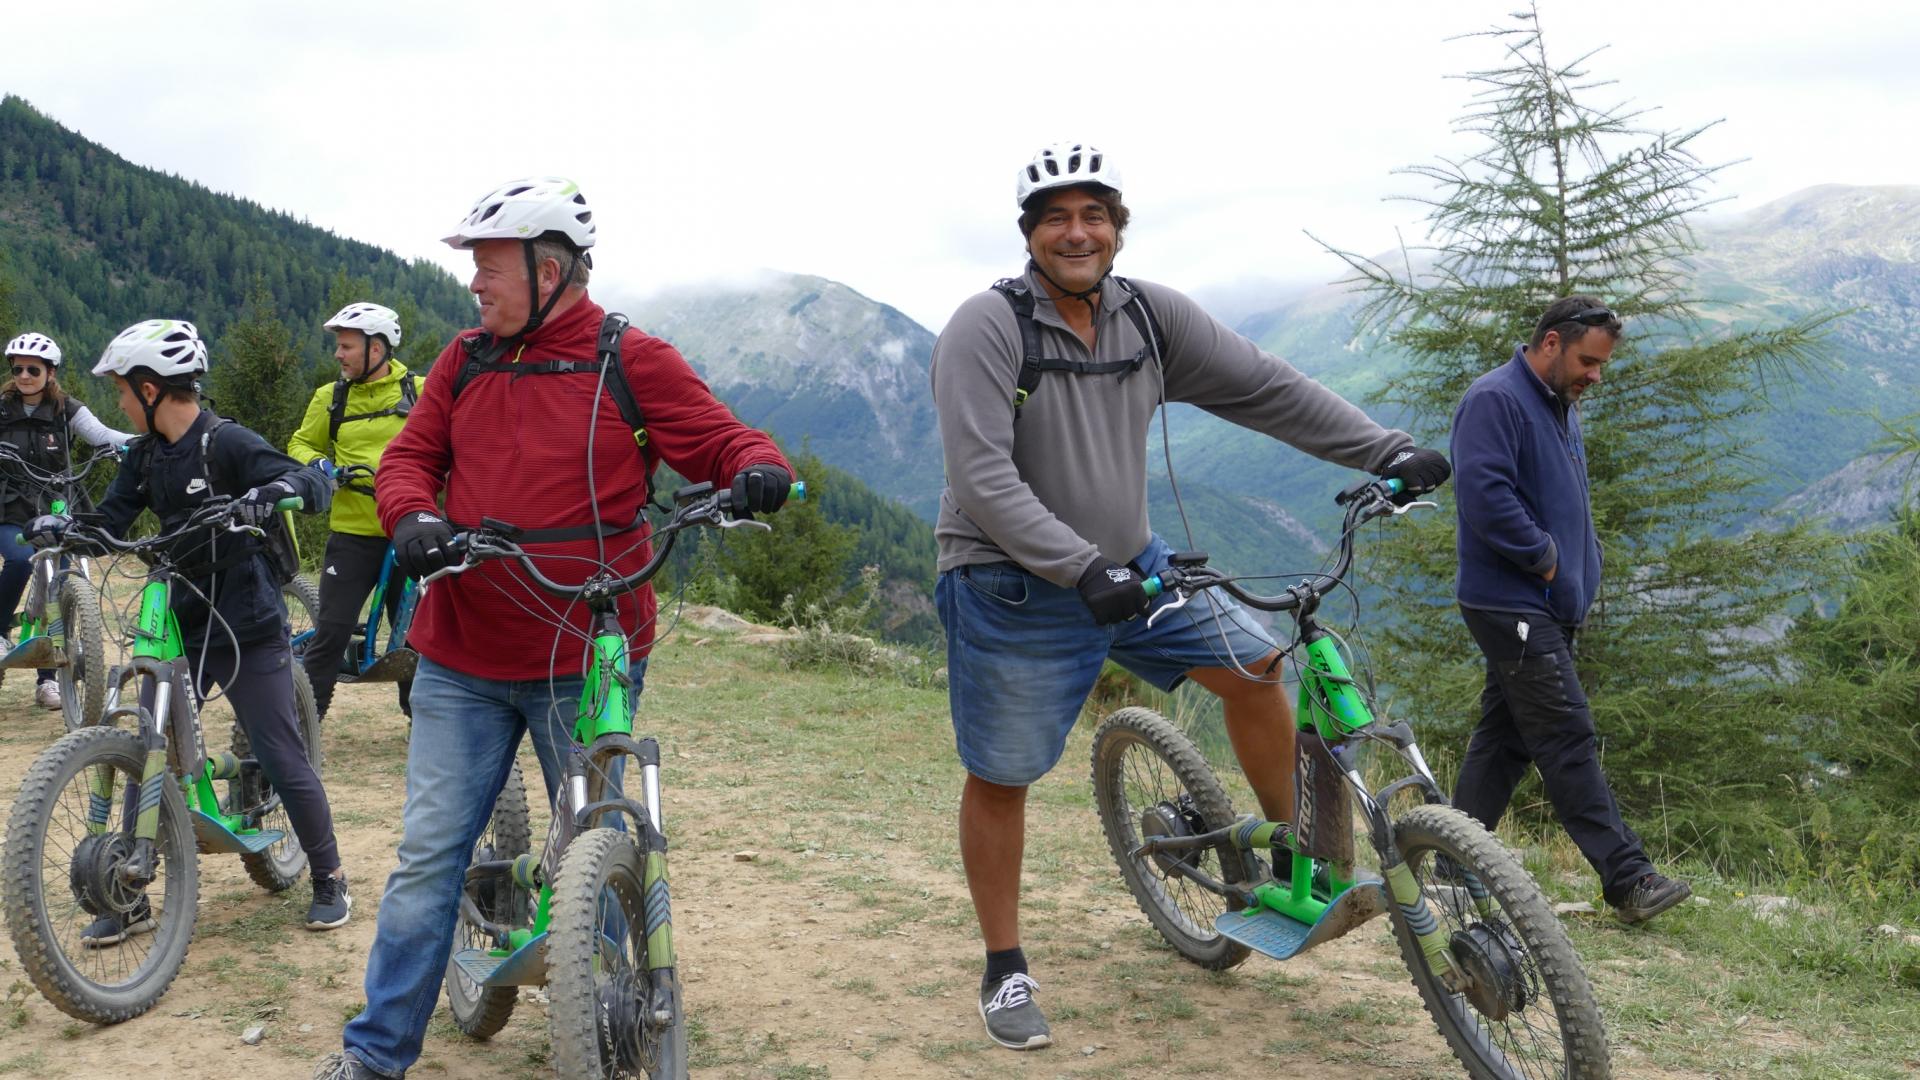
(513, 446)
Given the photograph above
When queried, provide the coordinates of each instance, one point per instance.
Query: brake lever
(1164, 608)
(445, 571)
(1428, 503)
(735, 523)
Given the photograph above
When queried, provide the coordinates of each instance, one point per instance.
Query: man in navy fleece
(1529, 569)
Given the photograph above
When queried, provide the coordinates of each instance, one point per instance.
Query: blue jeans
(466, 730)
(1023, 654)
(14, 574)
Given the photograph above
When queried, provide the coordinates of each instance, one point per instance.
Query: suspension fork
(1401, 886)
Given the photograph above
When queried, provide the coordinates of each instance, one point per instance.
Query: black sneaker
(110, 930)
(344, 1066)
(1013, 1020)
(1650, 896)
(331, 904)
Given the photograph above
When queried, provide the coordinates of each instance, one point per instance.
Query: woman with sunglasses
(37, 420)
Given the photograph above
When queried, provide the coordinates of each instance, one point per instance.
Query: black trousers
(1534, 713)
(347, 576)
(261, 693)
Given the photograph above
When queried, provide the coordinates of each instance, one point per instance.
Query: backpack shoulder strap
(206, 455)
(612, 332)
(1144, 320)
(1021, 301)
(337, 414)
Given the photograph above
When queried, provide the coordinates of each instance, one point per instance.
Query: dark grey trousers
(1533, 712)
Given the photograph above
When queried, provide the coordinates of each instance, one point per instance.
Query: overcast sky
(876, 143)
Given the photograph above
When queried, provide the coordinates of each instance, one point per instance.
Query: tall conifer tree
(1560, 196)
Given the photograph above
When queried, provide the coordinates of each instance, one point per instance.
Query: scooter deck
(396, 666)
(1267, 931)
(38, 651)
(525, 966)
(216, 839)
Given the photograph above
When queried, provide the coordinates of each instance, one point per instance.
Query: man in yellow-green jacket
(350, 422)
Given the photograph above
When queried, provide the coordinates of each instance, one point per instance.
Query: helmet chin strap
(533, 289)
(1085, 296)
(366, 360)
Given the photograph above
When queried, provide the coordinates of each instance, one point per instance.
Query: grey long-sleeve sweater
(1069, 480)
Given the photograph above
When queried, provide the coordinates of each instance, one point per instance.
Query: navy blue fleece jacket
(1520, 493)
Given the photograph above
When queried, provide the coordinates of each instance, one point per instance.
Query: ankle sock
(1004, 963)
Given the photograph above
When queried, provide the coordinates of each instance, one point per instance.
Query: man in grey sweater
(1045, 387)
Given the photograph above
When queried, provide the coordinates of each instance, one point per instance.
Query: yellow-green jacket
(361, 442)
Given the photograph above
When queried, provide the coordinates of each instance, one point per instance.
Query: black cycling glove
(760, 489)
(1114, 593)
(47, 528)
(1419, 471)
(422, 543)
(256, 507)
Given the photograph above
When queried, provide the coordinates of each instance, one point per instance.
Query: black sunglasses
(33, 371)
(1593, 316)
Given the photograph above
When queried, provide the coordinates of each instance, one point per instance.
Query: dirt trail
(846, 948)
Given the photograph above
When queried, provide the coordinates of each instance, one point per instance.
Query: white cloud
(875, 143)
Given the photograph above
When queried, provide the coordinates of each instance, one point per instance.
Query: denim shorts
(1023, 654)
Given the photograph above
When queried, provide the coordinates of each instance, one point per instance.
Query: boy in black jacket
(185, 455)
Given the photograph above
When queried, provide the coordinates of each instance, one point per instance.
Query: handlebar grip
(291, 502)
(1153, 587)
(1396, 485)
(798, 492)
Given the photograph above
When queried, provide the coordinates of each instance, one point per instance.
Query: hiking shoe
(110, 930)
(1013, 1020)
(1650, 896)
(344, 1066)
(331, 904)
(47, 696)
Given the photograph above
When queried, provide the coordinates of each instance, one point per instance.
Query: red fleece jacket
(515, 449)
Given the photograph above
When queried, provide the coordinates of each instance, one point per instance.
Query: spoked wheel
(278, 867)
(83, 682)
(100, 945)
(303, 612)
(1521, 1006)
(480, 1011)
(602, 1019)
(1149, 780)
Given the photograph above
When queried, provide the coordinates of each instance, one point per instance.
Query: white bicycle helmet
(32, 344)
(166, 347)
(369, 319)
(1063, 165)
(526, 209)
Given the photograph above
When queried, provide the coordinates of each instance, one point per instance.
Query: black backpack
(337, 415)
(1033, 364)
(483, 358)
(283, 552)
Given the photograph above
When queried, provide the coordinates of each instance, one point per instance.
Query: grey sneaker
(1013, 1020)
(344, 1066)
(331, 905)
(1650, 896)
(47, 695)
(110, 930)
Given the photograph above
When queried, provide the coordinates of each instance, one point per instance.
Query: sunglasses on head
(28, 370)
(1593, 316)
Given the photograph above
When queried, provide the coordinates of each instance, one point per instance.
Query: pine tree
(804, 556)
(256, 375)
(1680, 656)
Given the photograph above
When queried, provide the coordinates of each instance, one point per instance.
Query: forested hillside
(92, 243)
